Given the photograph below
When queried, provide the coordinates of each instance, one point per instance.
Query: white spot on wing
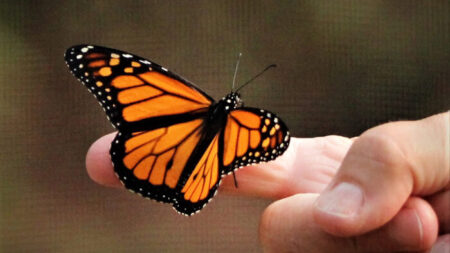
(145, 62)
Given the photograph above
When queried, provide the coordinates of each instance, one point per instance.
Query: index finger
(307, 166)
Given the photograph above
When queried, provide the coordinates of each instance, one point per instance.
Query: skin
(387, 190)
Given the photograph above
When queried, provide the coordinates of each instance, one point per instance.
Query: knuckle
(384, 158)
(382, 147)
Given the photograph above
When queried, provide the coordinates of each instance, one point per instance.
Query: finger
(413, 228)
(441, 205)
(98, 162)
(307, 166)
(287, 225)
(384, 166)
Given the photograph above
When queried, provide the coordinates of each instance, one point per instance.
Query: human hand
(402, 167)
(402, 171)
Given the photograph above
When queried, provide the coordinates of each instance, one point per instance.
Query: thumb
(382, 168)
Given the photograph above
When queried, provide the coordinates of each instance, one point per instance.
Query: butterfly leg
(235, 180)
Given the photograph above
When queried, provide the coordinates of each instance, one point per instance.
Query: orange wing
(134, 91)
(151, 163)
(202, 183)
(251, 136)
(173, 164)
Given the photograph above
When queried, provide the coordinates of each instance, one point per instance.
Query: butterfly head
(232, 101)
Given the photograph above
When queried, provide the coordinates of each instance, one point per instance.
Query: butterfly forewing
(133, 90)
(151, 163)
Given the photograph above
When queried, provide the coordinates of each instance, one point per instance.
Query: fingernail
(344, 200)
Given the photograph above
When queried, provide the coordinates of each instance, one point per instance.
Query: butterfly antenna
(260, 73)
(235, 180)
(235, 71)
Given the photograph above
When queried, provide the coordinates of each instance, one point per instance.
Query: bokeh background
(343, 67)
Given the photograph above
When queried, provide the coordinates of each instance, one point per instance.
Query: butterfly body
(174, 142)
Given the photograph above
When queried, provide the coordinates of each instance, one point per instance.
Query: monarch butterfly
(174, 142)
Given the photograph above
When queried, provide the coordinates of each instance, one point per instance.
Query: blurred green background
(343, 67)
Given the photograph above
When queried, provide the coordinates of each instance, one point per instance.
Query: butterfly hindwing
(252, 135)
(175, 164)
(151, 163)
(200, 184)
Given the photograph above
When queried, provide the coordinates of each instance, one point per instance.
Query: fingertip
(414, 228)
(427, 221)
(98, 162)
